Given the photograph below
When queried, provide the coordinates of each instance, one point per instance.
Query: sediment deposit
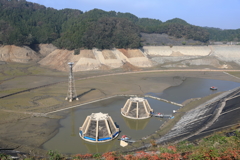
(45, 49)
(11, 53)
(216, 56)
(95, 59)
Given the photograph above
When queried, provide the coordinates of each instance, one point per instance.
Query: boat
(126, 139)
(158, 115)
(213, 88)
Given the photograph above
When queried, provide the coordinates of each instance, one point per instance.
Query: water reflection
(73, 122)
(136, 124)
(99, 147)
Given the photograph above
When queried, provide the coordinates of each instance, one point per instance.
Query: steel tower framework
(71, 86)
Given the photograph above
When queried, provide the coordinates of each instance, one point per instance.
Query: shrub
(54, 155)
(77, 51)
(153, 143)
(97, 156)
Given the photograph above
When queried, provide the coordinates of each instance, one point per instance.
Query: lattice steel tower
(71, 86)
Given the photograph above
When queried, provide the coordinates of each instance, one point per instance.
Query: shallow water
(68, 141)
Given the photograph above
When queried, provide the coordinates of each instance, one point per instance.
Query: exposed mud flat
(17, 112)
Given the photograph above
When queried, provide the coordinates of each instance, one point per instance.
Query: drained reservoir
(68, 141)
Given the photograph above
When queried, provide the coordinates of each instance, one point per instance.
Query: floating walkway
(163, 116)
(121, 95)
(164, 100)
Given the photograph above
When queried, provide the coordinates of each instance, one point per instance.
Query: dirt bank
(47, 55)
(11, 53)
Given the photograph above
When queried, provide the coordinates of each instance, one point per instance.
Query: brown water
(68, 140)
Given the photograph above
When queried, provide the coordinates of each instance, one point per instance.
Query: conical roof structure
(98, 127)
(137, 108)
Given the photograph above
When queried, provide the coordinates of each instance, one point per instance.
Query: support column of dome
(145, 107)
(97, 131)
(137, 110)
(122, 109)
(88, 124)
(129, 106)
(149, 108)
(84, 126)
(109, 132)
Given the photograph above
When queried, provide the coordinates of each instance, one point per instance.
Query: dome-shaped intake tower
(98, 127)
(137, 108)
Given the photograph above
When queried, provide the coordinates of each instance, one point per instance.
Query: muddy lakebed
(67, 140)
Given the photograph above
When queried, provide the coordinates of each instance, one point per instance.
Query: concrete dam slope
(177, 50)
(217, 56)
(208, 117)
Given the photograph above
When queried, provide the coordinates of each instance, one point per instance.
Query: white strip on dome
(137, 99)
(99, 116)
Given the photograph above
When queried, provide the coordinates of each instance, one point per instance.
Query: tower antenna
(71, 86)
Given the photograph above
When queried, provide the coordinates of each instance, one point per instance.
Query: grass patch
(48, 102)
(3, 77)
(36, 70)
(10, 91)
(124, 89)
(236, 74)
(6, 117)
(18, 103)
(14, 72)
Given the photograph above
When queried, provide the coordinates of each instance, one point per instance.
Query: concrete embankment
(197, 120)
(185, 56)
(226, 51)
(177, 50)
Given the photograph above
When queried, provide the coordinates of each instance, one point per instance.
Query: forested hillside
(217, 34)
(26, 23)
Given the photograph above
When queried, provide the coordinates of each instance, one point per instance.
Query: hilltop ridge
(26, 23)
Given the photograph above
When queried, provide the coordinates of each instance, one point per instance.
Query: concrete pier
(164, 100)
